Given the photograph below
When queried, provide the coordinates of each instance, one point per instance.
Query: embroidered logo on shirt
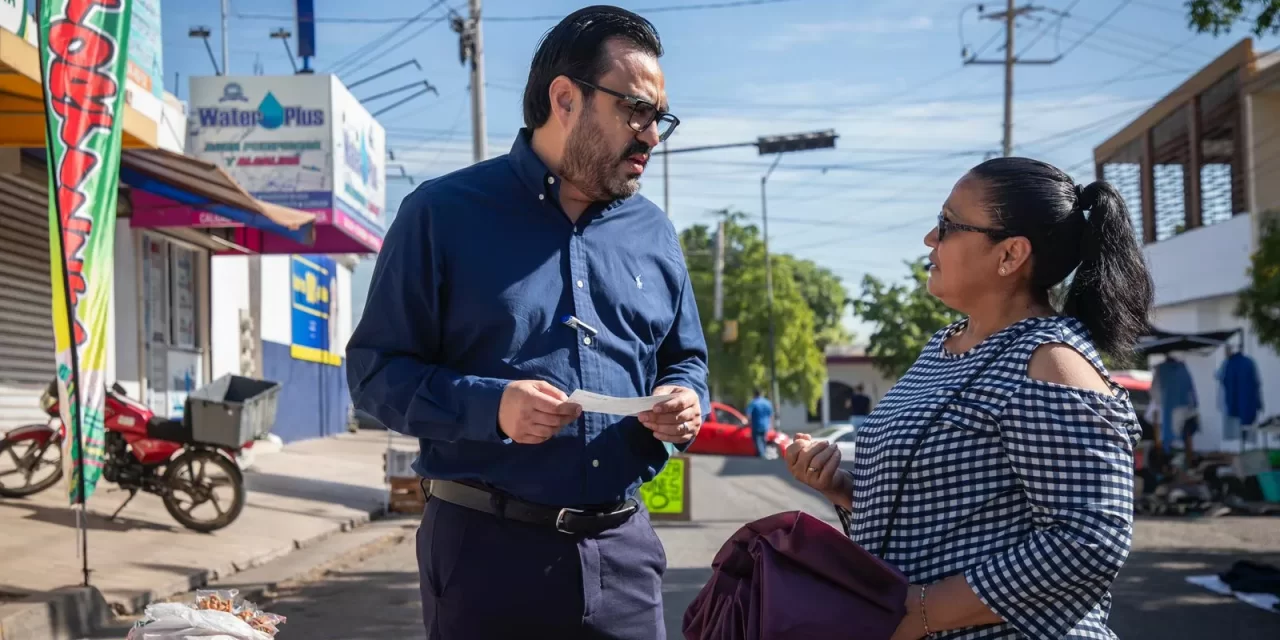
(639, 284)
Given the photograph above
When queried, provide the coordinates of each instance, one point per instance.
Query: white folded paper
(598, 403)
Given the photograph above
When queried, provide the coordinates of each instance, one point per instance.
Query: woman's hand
(817, 464)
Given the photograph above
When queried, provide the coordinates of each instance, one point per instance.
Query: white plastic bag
(176, 621)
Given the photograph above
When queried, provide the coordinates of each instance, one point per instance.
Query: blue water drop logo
(272, 112)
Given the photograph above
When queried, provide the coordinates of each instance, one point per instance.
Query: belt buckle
(560, 518)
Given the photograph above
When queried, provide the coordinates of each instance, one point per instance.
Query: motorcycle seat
(168, 430)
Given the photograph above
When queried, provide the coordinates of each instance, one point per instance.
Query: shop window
(173, 357)
(1171, 141)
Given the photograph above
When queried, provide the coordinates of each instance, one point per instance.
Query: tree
(1218, 16)
(825, 294)
(740, 366)
(1260, 301)
(906, 315)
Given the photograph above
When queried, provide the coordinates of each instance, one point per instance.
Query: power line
(1115, 47)
(1061, 16)
(1119, 7)
(368, 58)
(1057, 88)
(643, 10)
(403, 19)
(1158, 7)
(374, 43)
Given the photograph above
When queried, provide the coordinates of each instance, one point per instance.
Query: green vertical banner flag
(83, 57)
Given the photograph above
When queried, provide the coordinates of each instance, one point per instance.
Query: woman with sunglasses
(997, 474)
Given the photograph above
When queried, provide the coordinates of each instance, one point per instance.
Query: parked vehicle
(842, 435)
(200, 482)
(728, 433)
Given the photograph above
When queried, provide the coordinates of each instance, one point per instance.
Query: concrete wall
(1217, 314)
(793, 417)
(230, 295)
(1225, 248)
(313, 399)
(1266, 151)
(122, 353)
(346, 304)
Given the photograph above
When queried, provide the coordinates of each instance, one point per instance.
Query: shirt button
(586, 340)
(541, 197)
(551, 180)
(595, 463)
(579, 284)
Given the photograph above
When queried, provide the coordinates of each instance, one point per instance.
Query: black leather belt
(565, 520)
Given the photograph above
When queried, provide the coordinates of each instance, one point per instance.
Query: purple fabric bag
(816, 582)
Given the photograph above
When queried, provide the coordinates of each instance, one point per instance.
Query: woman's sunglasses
(946, 226)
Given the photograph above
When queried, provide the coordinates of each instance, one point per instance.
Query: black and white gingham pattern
(1024, 486)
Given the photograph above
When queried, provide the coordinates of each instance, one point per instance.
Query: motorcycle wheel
(16, 448)
(189, 486)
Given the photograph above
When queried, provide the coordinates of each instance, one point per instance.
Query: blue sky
(886, 75)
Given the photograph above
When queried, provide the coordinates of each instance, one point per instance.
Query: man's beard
(590, 166)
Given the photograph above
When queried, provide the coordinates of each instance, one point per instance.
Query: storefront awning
(1164, 342)
(22, 101)
(179, 191)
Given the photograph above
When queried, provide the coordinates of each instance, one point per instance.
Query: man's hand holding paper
(675, 420)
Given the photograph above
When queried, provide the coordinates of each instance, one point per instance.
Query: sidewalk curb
(205, 576)
(74, 612)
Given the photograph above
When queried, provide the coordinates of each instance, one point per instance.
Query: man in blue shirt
(760, 413)
(505, 286)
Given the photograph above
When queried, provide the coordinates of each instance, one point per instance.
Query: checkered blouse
(1023, 486)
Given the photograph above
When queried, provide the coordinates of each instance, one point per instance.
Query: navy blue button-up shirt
(474, 278)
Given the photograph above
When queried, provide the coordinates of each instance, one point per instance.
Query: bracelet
(924, 616)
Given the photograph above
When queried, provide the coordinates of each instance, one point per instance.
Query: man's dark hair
(576, 47)
(757, 392)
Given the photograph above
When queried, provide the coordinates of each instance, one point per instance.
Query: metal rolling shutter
(26, 331)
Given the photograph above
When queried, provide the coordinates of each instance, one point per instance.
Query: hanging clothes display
(1241, 394)
(1177, 396)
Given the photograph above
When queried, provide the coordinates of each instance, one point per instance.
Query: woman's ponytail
(1111, 292)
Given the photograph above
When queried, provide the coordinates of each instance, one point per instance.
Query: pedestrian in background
(501, 288)
(760, 413)
(860, 402)
(997, 474)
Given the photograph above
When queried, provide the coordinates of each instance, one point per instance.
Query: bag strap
(915, 447)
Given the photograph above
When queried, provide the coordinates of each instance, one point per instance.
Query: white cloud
(815, 32)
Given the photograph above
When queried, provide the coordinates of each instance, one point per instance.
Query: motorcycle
(143, 452)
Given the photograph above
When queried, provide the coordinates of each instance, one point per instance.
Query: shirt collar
(535, 174)
(531, 170)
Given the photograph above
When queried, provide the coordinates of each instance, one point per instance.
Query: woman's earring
(1002, 271)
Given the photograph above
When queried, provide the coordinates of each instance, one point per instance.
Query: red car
(728, 433)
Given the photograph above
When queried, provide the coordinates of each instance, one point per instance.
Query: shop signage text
(269, 114)
(83, 59)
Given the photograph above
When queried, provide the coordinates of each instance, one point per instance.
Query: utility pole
(776, 146)
(718, 313)
(226, 38)
(768, 283)
(1010, 17)
(471, 47)
(1010, 27)
(666, 180)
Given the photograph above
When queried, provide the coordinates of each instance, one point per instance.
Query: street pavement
(298, 495)
(378, 597)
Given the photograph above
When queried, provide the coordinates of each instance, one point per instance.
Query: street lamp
(203, 33)
(283, 36)
(779, 145)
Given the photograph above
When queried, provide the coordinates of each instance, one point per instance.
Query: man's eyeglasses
(643, 112)
(946, 226)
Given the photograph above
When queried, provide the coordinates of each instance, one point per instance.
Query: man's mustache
(635, 148)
